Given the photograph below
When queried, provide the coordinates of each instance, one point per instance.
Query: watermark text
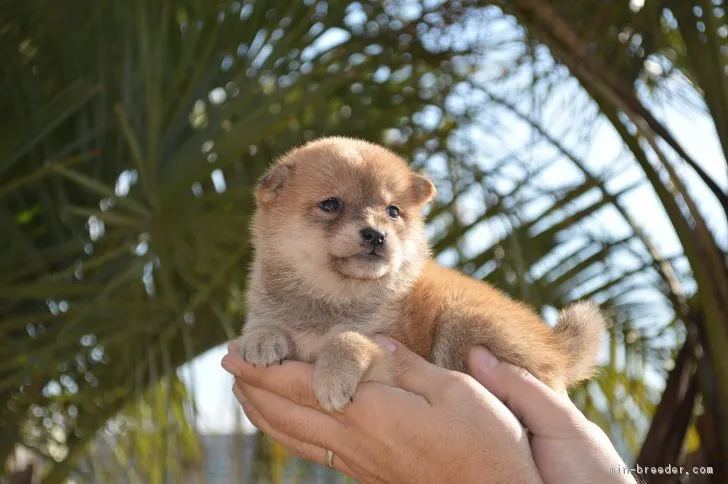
(662, 470)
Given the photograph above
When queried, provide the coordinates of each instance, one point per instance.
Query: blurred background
(579, 151)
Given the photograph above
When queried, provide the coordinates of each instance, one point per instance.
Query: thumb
(233, 362)
(543, 411)
(413, 373)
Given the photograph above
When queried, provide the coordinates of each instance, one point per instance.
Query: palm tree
(134, 132)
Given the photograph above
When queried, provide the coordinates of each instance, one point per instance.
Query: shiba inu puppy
(341, 255)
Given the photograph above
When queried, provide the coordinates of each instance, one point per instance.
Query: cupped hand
(436, 426)
(566, 446)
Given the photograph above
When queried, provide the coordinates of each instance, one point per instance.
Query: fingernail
(484, 358)
(385, 343)
(233, 347)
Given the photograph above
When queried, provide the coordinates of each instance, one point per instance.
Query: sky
(211, 385)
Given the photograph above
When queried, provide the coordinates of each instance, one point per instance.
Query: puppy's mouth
(372, 254)
(367, 265)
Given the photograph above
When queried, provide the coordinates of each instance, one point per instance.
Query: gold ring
(329, 459)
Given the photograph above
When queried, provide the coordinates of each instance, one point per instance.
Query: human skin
(435, 426)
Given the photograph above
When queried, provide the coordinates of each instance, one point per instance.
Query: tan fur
(315, 295)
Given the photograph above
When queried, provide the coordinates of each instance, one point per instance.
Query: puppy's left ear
(273, 181)
(423, 189)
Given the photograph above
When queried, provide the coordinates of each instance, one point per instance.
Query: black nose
(373, 237)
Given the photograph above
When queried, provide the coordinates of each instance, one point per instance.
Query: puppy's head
(343, 214)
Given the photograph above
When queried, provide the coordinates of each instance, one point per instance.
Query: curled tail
(580, 330)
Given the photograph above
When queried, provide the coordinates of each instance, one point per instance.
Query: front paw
(264, 346)
(333, 386)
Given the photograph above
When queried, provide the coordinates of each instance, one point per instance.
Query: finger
(298, 421)
(377, 407)
(291, 380)
(300, 448)
(414, 373)
(232, 362)
(540, 409)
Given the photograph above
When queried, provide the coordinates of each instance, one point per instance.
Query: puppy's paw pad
(264, 347)
(334, 389)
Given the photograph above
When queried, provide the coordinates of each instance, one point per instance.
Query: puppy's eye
(393, 211)
(330, 205)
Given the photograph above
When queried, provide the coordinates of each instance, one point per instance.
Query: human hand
(438, 426)
(565, 445)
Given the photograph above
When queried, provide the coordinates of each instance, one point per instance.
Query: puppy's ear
(423, 189)
(271, 184)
